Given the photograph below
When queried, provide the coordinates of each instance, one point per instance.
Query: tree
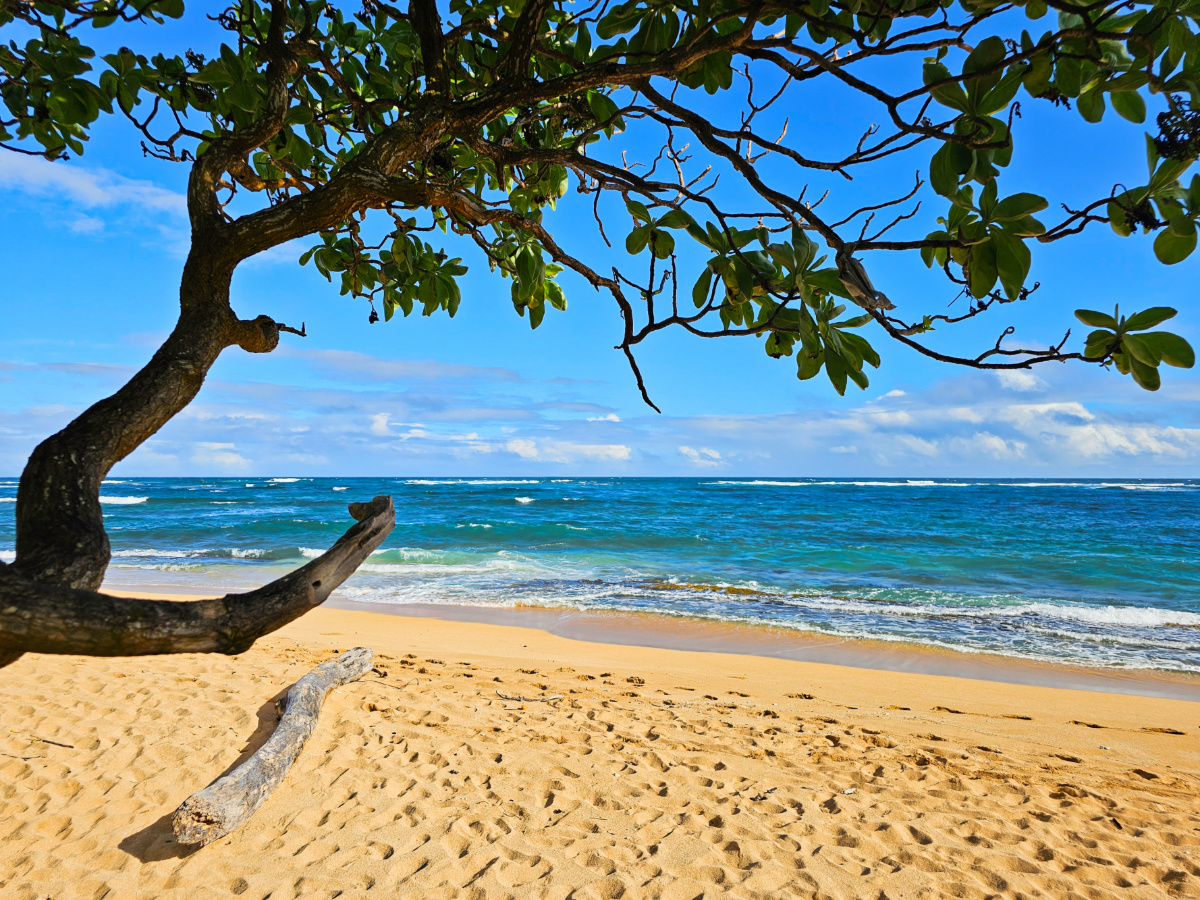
(476, 117)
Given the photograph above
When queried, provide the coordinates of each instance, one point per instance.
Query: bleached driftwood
(228, 802)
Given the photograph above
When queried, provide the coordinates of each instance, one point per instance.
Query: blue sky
(91, 255)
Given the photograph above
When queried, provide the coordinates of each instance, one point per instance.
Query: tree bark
(228, 802)
(43, 618)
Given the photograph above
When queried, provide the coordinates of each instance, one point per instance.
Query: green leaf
(1091, 105)
(676, 218)
(1098, 343)
(664, 243)
(1018, 206)
(1141, 350)
(1148, 318)
(808, 365)
(1171, 349)
(1129, 105)
(1012, 261)
(1096, 319)
(702, 288)
(638, 210)
(636, 242)
(982, 273)
(943, 174)
(835, 368)
(987, 53)
(1172, 248)
(1145, 376)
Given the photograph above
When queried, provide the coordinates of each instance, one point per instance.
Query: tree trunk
(228, 802)
(60, 526)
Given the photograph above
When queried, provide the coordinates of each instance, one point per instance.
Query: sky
(91, 251)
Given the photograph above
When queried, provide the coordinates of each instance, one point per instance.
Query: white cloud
(86, 225)
(988, 444)
(222, 456)
(847, 448)
(567, 451)
(1017, 380)
(704, 456)
(611, 417)
(379, 424)
(523, 448)
(347, 365)
(90, 188)
(914, 444)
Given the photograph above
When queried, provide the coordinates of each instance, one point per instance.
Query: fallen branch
(519, 699)
(228, 802)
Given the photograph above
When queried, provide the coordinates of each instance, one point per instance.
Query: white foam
(1144, 487)
(341, 488)
(8, 499)
(249, 554)
(310, 553)
(8, 555)
(472, 525)
(123, 501)
(284, 480)
(523, 499)
(1134, 616)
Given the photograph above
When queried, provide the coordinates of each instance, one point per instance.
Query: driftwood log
(228, 802)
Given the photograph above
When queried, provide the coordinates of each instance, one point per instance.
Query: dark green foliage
(482, 123)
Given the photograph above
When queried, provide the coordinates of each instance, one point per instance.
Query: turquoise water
(1089, 572)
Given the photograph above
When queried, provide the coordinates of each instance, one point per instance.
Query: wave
(477, 481)
(213, 553)
(908, 483)
(341, 488)
(123, 501)
(8, 499)
(523, 499)
(283, 480)
(8, 555)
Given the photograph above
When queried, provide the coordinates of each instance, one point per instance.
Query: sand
(655, 773)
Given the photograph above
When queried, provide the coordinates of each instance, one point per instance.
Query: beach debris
(849, 791)
(517, 698)
(229, 802)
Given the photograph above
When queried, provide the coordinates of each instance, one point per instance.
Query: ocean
(1088, 572)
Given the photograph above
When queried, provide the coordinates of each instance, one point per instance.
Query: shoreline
(662, 632)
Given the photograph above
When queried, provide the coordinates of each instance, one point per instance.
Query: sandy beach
(617, 771)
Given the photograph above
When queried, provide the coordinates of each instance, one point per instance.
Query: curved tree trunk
(48, 595)
(60, 527)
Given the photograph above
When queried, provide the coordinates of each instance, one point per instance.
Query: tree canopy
(475, 119)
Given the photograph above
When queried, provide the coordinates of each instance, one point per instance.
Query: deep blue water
(1089, 572)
